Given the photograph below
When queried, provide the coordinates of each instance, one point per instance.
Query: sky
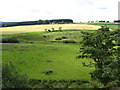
(77, 10)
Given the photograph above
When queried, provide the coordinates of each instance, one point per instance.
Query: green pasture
(112, 26)
(40, 52)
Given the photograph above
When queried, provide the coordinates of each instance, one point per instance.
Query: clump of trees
(116, 21)
(61, 21)
(103, 47)
(9, 24)
(38, 22)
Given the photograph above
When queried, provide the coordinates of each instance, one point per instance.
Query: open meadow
(35, 52)
(39, 52)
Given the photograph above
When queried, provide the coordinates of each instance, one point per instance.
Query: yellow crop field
(37, 28)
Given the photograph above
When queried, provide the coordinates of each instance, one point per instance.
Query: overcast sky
(78, 10)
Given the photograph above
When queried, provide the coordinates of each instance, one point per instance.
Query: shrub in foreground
(47, 84)
(11, 78)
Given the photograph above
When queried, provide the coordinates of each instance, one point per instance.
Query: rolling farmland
(37, 28)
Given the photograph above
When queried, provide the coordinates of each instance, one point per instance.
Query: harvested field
(37, 28)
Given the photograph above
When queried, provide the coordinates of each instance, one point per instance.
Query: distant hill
(61, 21)
(39, 22)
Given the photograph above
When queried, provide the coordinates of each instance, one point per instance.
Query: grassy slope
(32, 59)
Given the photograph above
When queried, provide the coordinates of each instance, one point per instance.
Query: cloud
(78, 10)
(35, 11)
(103, 8)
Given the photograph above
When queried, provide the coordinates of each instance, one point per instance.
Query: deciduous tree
(103, 47)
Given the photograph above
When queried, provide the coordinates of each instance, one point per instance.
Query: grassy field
(38, 58)
(37, 28)
(40, 52)
(36, 53)
(112, 26)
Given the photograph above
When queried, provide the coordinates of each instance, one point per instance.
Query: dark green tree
(46, 22)
(40, 21)
(102, 46)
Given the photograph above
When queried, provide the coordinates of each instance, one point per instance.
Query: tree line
(38, 22)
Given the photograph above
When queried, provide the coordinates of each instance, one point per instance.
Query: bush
(60, 28)
(69, 41)
(11, 77)
(58, 38)
(53, 29)
(44, 36)
(48, 72)
(49, 30)
(10, 40)
(49, 84)
(64, 37)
